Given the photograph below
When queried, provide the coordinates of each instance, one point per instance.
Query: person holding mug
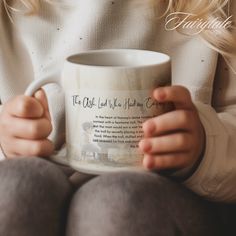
(189, 151)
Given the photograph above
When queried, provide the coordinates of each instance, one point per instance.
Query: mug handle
(37, 84)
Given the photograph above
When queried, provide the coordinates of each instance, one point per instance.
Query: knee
(136, 203)
(30, 187)
(116, 199)
(129, 188)
(33, 177)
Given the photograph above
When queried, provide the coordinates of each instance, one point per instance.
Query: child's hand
(174, 140)
(25, 125)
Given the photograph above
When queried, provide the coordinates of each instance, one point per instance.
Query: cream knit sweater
(33, 47)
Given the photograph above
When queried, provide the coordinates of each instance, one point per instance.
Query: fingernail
(149, 128)
(148, 162)
(145, 145)
(159, 94)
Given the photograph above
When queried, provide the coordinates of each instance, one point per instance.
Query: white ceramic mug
(108, 97)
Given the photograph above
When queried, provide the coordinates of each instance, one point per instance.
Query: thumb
(42, 98)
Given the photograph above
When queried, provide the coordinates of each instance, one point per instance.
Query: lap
(127, 203)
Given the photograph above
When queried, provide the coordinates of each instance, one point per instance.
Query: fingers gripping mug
(107, 98)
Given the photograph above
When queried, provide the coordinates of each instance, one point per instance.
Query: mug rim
(166, 59)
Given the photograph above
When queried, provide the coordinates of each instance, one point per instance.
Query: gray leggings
(36, 199)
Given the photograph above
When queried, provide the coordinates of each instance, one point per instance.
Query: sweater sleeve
(215, 177)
